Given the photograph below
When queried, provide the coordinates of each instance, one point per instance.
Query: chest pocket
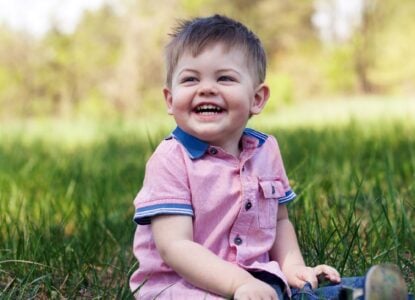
(270, 191)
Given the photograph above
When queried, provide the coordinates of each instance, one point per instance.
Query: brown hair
(196, 34)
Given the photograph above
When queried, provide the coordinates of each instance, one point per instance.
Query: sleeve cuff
(289, 196)
(143, 215)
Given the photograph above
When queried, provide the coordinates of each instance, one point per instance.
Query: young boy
(212, 214)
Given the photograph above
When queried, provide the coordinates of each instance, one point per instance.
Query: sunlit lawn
(66, 191)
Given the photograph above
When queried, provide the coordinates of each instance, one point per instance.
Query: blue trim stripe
(256, 134)
(143, 215)
(289, 196)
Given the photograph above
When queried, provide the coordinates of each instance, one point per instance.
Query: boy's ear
(169, 100)
(260, 98)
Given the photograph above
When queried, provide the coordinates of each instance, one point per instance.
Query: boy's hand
(255, 289)
(325, 272)
(298, 275)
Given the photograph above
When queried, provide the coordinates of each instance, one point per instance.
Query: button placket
(238, 235)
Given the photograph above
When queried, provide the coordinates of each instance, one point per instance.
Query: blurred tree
(55, 74)
(98, 40)
(364, 45)
(139, 75)
(17, 69)
(114, 59)
(378, 46)
(80, 64)
(394, 66)
(384, 39)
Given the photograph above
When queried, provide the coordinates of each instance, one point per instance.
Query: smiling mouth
(208, 109)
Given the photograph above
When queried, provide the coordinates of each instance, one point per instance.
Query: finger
(325, 269)
(328, 271)
(297, 282)
(309, 277)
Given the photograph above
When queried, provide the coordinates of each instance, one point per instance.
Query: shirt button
(248, 205)
(237, 240)
(213, 151)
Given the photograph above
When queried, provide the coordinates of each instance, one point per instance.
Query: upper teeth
(208, 107)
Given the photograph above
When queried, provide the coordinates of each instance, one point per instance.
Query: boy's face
(213, 95)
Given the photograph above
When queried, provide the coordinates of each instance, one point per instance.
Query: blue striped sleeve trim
(259, 135)
(143, 215)
(289, 196)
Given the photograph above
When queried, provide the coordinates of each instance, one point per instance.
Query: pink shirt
(233, 202)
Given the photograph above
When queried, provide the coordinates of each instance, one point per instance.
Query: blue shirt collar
(196, 148)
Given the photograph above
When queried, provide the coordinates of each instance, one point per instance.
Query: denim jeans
(328, 291)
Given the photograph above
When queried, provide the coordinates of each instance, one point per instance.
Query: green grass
(66, 203)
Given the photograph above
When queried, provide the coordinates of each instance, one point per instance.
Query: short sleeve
(165, 188)
(286, 193)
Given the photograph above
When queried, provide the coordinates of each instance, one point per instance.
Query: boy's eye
(189, 79)
(226, 78)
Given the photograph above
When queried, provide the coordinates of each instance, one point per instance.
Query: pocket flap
(272, 189)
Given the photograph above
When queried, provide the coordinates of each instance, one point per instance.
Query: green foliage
(66, 217)
(355, 195)
(53, 75)
(282, 91)
(339, 70)
(66, 208)
(396, 62)
(195, 6)
(83, 63)
(114, 58)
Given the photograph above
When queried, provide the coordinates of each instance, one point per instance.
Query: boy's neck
(233, 148)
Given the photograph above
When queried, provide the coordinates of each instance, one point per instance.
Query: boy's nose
(207, 89)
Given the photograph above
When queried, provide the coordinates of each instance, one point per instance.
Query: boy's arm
(287, 253)
(173, 235)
